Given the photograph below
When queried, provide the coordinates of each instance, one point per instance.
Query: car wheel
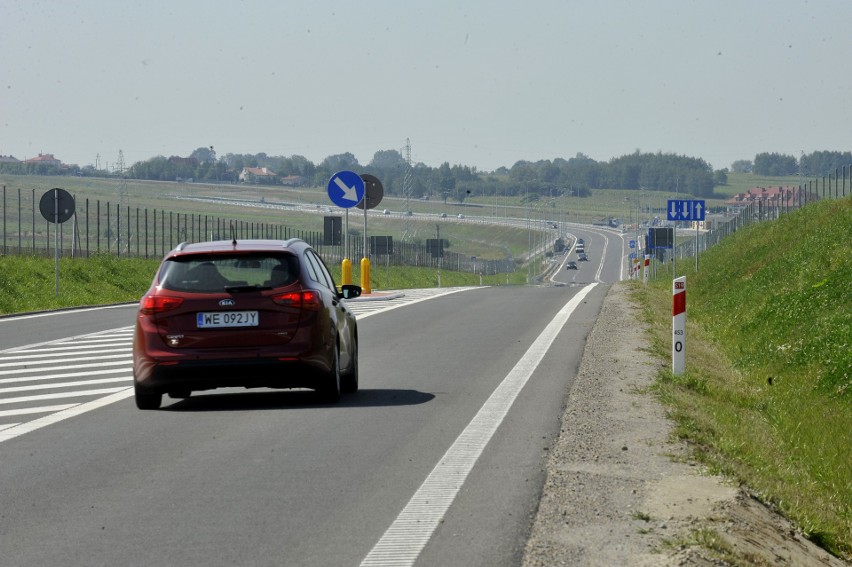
(147, 399)
(349, 382)
(330, 391)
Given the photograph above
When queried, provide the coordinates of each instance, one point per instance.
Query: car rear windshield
(233, 272)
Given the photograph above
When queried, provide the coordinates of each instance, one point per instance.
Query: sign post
(687, 210)
(346, 189)
(679, 325)
(56, 206)
(373, 193)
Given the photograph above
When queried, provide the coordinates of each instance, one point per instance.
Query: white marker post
(647, 266)
(679, 325)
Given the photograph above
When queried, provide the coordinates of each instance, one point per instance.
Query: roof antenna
(233, 234)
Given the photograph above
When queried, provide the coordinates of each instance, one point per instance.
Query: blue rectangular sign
(685, 210)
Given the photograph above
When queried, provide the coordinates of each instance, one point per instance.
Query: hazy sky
(482, 83)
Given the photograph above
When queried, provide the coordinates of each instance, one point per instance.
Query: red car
(248, 313)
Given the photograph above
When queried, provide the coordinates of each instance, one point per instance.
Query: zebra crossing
(45, 383)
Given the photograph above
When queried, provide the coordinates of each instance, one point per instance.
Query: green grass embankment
(767, 393)
(28, 283)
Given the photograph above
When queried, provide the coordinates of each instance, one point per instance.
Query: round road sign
(373, 191)
(345, 189)
(56, 205)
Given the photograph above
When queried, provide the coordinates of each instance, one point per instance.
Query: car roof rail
(291, 241)
(181, 246)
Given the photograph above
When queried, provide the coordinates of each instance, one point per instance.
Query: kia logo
(227, 302)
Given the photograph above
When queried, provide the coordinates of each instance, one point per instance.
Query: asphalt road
(436, 460)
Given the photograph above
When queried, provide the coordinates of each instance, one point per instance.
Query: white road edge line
(407, 303)
(406, 537)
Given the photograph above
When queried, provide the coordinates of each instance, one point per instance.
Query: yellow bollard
(346, 271)
(365, 276)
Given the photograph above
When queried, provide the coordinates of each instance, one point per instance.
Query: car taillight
(151, 304)
(308, 300)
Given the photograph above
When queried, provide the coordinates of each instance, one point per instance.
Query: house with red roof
(47, 159)
(786, 197)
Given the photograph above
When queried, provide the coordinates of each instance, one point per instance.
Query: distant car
(583, 258)
(580, 249)
(443, 215)
(461, 216)
(244, 313)
(580, 241)
(386, 212)
(571, 265)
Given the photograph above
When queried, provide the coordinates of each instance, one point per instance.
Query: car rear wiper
(245, 288)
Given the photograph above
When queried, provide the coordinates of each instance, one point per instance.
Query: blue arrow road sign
(686, 210)
(346, 189)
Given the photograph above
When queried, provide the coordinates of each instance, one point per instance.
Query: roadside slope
(621, 491)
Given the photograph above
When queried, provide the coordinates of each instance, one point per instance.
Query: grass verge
(767, 393)
(30, 284)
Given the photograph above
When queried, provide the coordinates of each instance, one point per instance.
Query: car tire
(147, 399)
(349, 381)
(330, 390)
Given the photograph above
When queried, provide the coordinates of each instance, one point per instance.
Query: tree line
(533, 180)
(816, 164)
(579, 175)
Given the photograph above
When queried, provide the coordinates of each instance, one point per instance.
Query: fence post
(118, 230)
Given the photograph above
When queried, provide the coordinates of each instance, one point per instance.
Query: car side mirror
(350, 291)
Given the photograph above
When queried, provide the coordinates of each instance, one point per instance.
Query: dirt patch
(619, 491)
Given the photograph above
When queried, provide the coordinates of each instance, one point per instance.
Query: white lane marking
(64, 312)
(83, 356)
(42, 361)
(8, 426)
(40, 409)
(360, 316)
(406, 537)
(69, 355)
(57, 385)
(15, 431)
(91, 336)
(37, 378)
(60, 395)
(69, 367)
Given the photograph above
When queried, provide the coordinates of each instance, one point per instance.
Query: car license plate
(218, 319)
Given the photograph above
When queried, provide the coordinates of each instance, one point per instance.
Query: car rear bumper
(252, 373)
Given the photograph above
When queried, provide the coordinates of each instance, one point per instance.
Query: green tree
(775, 165)
(742, 166)
(340, 162)
(204, 155)
(388, 159)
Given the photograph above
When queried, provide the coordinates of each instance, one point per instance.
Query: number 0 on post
(679, 326)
